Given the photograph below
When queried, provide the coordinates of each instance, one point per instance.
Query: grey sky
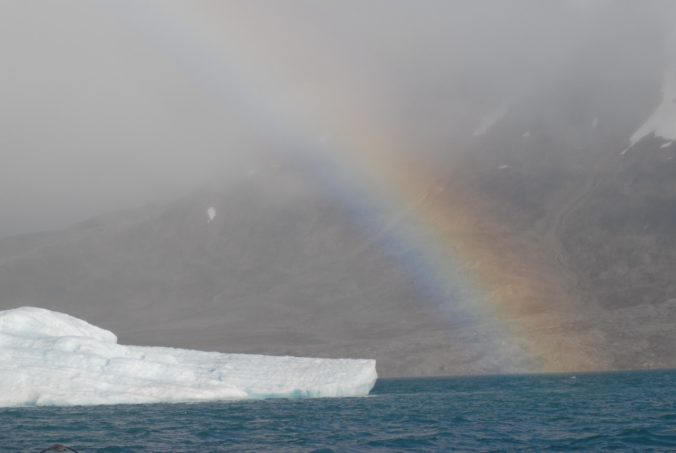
(106, 105)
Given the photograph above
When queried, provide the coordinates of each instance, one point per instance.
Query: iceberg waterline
(51, 358)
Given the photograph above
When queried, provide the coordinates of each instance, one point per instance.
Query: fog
(113, 104)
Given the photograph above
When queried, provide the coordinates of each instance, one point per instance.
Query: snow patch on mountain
(662, 122)
(489, 120)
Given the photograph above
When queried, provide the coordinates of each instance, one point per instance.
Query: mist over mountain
(555, 124)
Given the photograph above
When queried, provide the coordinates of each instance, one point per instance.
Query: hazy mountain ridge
(600, 206)
(284, 266)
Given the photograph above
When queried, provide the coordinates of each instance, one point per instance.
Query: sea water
(612, 411)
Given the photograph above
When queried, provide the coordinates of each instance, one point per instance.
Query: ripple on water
(626, 411)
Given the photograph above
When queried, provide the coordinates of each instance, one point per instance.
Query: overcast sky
(112, 104)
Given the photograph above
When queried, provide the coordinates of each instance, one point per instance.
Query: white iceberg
(50, 358)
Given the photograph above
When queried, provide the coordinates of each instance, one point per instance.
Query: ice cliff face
(50, 358)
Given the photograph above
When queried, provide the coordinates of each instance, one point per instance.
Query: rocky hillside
(581, 167)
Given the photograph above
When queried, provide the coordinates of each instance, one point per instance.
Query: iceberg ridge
(50, 358)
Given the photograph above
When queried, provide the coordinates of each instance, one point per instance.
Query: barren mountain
(576, 174)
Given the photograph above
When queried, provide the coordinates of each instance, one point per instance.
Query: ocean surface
(633, 411)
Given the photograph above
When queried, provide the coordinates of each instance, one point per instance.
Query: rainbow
(344, 130)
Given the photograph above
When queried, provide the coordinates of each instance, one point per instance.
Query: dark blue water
(620, 411)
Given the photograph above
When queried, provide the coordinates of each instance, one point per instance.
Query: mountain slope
(574, 177)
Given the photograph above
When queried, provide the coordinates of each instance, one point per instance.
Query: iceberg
(51, 358)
